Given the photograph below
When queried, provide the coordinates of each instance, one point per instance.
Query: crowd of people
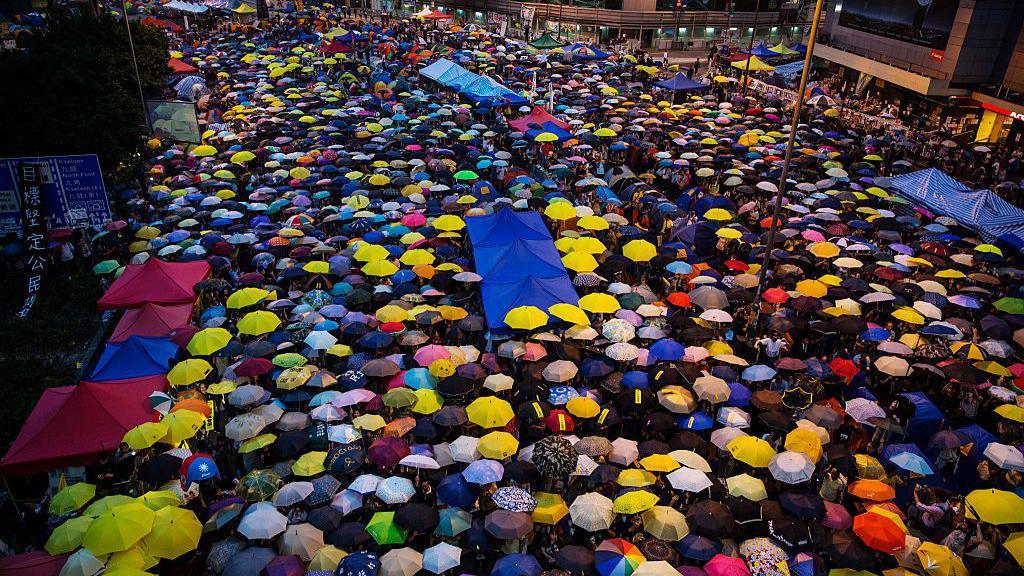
(831, 392)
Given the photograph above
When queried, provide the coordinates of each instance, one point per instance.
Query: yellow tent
(756, 65)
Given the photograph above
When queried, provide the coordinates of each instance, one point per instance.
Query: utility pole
(750, 48)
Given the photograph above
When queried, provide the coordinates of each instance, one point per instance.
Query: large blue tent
(481, 89)
(762, 51)
(681, 83)
(981, 210)
(519, 263)
(135, 357)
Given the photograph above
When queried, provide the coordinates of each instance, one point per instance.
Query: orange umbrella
(193, 404)
(880, 529)
(872, 490)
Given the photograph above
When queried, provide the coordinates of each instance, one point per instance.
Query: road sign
(73, 192)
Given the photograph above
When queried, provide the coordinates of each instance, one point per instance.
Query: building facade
(950, 65)
(651, 24)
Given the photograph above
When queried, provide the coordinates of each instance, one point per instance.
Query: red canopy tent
(335, 47)
(155, 281)
(179, 67)
(73, 425)
(537, 116)
(36, 563)
(152, 320)
(436, 15)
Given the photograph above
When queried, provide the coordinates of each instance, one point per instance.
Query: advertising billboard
(922, 22)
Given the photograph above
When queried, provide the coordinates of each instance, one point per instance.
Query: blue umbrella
(516, 565)
(912, 463)
(483, 472)
(452, 522)
(454, 490)
(695, 421)
(700, 548)
(875, 334)
(359, 564)
(667, 350)
(758, 373)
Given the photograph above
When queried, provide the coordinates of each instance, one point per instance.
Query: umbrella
(118, 529)
(592, 512)
(617, 557)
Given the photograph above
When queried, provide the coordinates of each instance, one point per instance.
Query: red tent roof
(73, 425)
(437, 15)
(152, 320)
(537, 116)
(155, 281)
(179, 67)
(36, 563)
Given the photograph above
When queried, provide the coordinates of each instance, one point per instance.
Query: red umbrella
(680, 299)
(844, 368)
(387, 451)
(253, 367)
(775, 295)
(559, 421)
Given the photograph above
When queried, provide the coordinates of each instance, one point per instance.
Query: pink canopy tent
(155, 281)
(152, 320)
(537, 116)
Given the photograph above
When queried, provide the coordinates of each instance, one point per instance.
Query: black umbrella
(325, 518)
(417, 517)
(575, 559)
(845, 551)
(803, 504)
(710, 518)
(159, 469)
(522, 472)
(349, 535)
(792, 534)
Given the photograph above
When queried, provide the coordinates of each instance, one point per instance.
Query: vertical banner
(34, 232)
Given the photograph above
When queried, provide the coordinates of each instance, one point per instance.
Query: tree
(73, 90)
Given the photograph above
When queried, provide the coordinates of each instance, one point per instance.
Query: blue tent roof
(552, 128)
(680, 83)
(135, 357)
(791, 69)
(762, 51)
(471, 85)
(519, 263)
(581, 51)
(981, 210)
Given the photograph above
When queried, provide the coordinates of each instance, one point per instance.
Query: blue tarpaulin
(681, 83)
(471, 85)
(135, 357)
(762, 51)
(519, 263)
(551, 127)
(927, 418)
(981, 210)
(791, 69)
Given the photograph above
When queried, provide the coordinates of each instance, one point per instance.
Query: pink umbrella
(428, 354)
(836, 516)
(414, 219)
(534, 351)
(722, 565)
(812, 236)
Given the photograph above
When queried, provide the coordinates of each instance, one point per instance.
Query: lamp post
(790, 145)
(135, 64)
(750, 48)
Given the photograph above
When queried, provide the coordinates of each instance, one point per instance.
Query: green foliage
(43, 350)
(73, 91)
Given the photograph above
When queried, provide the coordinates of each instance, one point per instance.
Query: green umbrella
(258, 485)
(453, 521)
(106, 267)
(1010, 305)
(289, 360)
(466, 175)
(382, 528)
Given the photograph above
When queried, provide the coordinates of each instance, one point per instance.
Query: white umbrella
(395, 490)
(689, 480)
(245, 426)
(716, 315)
(1005, 456)
(791, 467)
(291, 494)
(463, 449)
(262, 522)
(365, 484)
(560, 371)
(592, 512)
(691, 459)
(320, 340)
(624, 451)
(711, 388)
(861, 409)
(420, 461)
(441, 558)
(723, 436)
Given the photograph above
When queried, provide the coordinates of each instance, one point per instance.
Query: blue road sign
(73, 192)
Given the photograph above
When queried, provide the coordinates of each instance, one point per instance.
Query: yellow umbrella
(994, 368)
(939, 560)
(68, 535)
(587, 244)
(118, 529)
(258, 323)
(204, 150)
(811, 287)
(592, 223)
(804, 441)
(208, 340)
(605, 133)
(570, 313)
(158, 499)
(449, 223)
(135, 559)
(1011, 412)
(718, 215)
(327, 558)
(868, 467)
(659, 463)
(995, 506)
(309, 464)
(371, 252)
(317, 267)
(599, 303)
(254, 444)
(427, 401)
(106, 504)
(72, 498)
(417, 256)
(583, 407)
(634, 502)
(1014, 543)
(824, 249)
(189, 371)
(182, 425)
(665, 523)
(242, 157)
(175, 532)
(369, 422)
(246, 297)
(490, 412)
(579, 262)
(907, 314)
(551, 508)
(639, 250)
(751, 450)
(392, 313)
(526, 318)
(635, 478)
(545, 137)
(379, 180)
(379, 268)
(561, 211)
(746, 486)
(497, 445)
